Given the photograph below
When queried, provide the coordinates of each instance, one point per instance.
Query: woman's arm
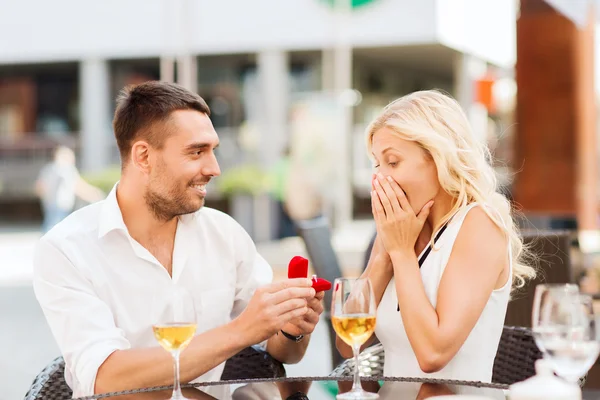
(478, 261)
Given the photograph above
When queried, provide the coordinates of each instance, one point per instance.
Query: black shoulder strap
(428, 249)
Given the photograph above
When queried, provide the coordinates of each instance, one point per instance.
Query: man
(96, 273)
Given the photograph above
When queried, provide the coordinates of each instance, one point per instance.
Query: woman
(440, 310)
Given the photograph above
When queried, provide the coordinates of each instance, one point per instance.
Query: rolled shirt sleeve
(82, 324)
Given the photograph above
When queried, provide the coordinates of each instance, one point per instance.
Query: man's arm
(82, 325)
(101, 359)
(285, 350)
(268, 311)
(288, 351)
(145, 367)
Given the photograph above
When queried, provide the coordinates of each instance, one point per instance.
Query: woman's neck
(441, 207)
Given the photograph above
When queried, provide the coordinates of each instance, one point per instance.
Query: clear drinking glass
(353, 315)
(174, 327)
(566, 332)
(541, 292)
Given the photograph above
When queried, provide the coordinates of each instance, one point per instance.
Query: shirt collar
(111, 218)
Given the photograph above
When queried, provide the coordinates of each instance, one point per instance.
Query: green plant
(104, 179)
(243, 179)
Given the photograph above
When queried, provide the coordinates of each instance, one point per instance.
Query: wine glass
(541, 292)
(174, 327)
(567, 333)
(353, 315)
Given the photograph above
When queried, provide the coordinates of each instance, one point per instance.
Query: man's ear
(140, 156)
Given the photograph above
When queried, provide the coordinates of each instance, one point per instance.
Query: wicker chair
(370, 363)
(252, 363)
(50, 383)
(249, 363)
(516, 356)
(515, 359)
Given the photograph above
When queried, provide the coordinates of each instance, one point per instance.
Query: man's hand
(273, 306)
(306, 324)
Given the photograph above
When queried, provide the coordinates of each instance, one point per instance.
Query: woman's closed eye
(391, 164)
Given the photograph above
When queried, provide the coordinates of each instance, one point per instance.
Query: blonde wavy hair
(437, 123)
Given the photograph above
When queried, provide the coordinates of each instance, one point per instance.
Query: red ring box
(298, 268)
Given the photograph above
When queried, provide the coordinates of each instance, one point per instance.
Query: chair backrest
(553, 250)
(317, 238)
(516, 356)
(252, 363)
(370, 363)
(316, 235)
(50, 383)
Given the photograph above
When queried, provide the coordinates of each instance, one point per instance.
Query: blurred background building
(262, 66)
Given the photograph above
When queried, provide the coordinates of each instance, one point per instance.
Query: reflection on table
(302, 388)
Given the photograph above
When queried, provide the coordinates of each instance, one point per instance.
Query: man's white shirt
(97, 285)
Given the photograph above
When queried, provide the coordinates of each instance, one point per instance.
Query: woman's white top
(475, 359)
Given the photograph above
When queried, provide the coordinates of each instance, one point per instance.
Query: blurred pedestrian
(58, 186)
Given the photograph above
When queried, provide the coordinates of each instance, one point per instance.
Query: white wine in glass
(174, 336)
(353, 315)
(354, 328)
(174, 327)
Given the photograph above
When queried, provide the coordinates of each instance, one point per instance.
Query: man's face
(180, 170)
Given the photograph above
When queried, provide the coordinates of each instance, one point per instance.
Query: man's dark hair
(143, 109)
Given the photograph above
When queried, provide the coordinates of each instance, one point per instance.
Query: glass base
(359, 394)
(178, 397)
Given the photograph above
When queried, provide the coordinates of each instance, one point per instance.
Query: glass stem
(176, 386)
(356, 386)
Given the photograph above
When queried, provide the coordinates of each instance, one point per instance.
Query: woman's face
(408, 164)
